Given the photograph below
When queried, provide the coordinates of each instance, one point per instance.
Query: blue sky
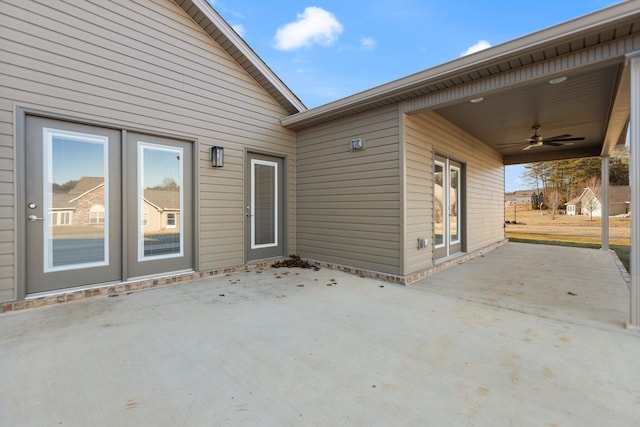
(326, 50)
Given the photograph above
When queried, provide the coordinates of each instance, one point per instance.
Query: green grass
(623, 251)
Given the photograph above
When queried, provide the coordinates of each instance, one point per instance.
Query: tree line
(559, 181)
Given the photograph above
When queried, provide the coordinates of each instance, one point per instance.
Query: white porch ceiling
(580, 106)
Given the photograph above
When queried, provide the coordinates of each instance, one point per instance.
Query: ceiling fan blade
(553, 138)
(576, 138)
(557, 144)
(509, 143)
(528, 147)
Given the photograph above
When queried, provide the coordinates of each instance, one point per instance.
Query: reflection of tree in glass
(64, 188)
(168, 183)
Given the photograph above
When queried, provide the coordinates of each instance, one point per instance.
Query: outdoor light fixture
(357, 144)
(476, 100)
(217, 157)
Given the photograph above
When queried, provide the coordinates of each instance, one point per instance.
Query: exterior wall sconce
(217, 157)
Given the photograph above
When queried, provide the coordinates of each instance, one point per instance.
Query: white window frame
(444, 202)
(48, 135)
(459, 181)
(255, 162)
(140, 190)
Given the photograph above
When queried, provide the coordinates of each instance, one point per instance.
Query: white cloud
(314, 26)
(367, 43)
(301, 70)
(481, 45)
(239, 28)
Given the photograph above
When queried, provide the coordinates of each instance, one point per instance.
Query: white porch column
(634, 181)
(604, 201)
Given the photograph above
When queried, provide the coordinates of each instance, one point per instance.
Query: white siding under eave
(142, 65)
(348, 203)
(426, 133)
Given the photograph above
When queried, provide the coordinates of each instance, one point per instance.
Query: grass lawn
(623, 251)
(577, 231)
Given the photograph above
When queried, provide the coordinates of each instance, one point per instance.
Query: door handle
(248, 211)
(34, 218)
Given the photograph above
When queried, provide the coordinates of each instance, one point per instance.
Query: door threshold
(449, 258)
(56, 292)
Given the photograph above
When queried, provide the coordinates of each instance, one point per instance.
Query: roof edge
(499, 53)
(244, 48)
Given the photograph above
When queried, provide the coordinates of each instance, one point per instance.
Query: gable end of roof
(213, 24)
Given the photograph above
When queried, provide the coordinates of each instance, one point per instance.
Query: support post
(604, 201)
(634, 181)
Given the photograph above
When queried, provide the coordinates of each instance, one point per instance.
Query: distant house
(520, 197)
(619, 201)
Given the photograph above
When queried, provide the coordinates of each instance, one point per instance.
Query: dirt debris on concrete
(294, 261)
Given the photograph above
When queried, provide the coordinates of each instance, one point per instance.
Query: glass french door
(80, 202)
(447, 198)
(159, 200)
(73, 205)
(264, 207)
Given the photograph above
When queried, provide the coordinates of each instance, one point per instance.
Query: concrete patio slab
(575, 285)
(294, 347)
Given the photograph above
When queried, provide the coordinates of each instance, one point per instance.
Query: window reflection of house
(84, 205)
(61, 211)
(162, 209)
(60, 218)
(81, 205)
(96, 214)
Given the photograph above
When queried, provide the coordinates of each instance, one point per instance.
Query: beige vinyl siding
(7, 225)
(426, 133)
(419, 196)
(348, 206)
(143, 65)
